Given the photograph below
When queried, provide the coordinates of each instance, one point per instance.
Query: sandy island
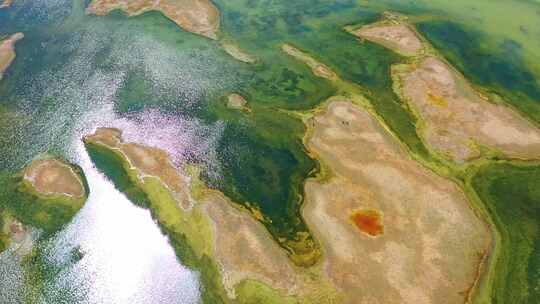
(457, 121)
(237, 102)
(391, 33)
(7, 52)
(196, 16)
(54, 177)
(423, 243)
(237, 53)
(318, 69)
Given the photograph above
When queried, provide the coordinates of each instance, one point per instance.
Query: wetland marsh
(242, 151)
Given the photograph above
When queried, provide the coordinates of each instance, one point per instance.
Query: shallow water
(165, 87)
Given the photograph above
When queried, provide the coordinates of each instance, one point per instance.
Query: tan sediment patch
(6, 3)
(245, 250)
(19, 236)
(237, 53)
(457, 118)
(398, 37)
(148, 160)
(195, 16)
(51, 176)
(237, 102)
(433, 242)
(7, 52)
(319, 69)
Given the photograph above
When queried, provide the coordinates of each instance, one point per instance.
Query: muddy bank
(54, 177)
(7, 52)
(428, 244)
(196, 16)
(391, 33)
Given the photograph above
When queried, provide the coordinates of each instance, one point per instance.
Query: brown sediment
(368, 221)
(6, 3)
(196, 16)
(237, 102)
(7, 52)
(319, 69)
(148, 160)
(458, 119)
(245, 250)
(429, 249)
(392, 34)
(52, 177)
(237, 53)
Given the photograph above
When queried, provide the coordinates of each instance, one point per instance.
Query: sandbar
(196, 16)
(7, 52)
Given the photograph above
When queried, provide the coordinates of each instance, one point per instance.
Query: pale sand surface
(195, 16)
(398, 37)
(432, 244)
(236, 101)
(237, 53)
(318, 69)
(7, 52)
(51, 176)
(458, 119)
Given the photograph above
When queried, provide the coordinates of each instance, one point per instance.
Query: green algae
(511, 195)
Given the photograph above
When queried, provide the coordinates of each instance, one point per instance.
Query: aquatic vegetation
(41, 207)
(7, 52)
(511, 195)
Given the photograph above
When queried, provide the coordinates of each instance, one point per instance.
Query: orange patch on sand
(368, 221)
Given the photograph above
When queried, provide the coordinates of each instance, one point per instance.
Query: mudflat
(52, 176)
(458, 119)
(427, 246)
(196, 16)
(7, 52)
(319, 69)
